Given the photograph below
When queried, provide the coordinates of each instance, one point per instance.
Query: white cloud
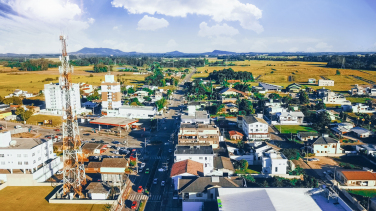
(323, 45)
(246, 14)
(151, 23)
(216, 30)
(115, 28)
(171, 44)
(35, 25)
(91, 20)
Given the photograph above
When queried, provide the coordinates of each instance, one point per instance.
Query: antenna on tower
(73, 171)
(343, 63)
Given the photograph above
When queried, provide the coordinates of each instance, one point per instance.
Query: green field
(33, 198)
(357, 99)
(287, 129)
(364, 192)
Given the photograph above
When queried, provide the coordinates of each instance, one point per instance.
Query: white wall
(320, 150)
(207, 160)
(55, 101)
(96, 196)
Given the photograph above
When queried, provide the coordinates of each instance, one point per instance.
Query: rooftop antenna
(73, 171)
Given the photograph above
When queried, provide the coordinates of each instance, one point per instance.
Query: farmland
(278, 72)
(34, 81)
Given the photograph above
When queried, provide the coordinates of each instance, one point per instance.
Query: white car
(163, 183)
(161, 169)
(142, 165)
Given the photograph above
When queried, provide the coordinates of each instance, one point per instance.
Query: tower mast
(73, 170)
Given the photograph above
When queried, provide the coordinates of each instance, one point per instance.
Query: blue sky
(33, 26)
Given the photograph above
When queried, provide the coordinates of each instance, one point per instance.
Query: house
(235, 135)
(186, 169)
(204, 189)
(358, 90)
(342, 128)
(358, 108)
(113, 169)
(334, 98)
(274, 163)
(324, 146)
(93, 167)
(323, 82)
(199, 117)
(274, 106)
(368, 149)
(270, 87)
(93, 148)
(371, 91)
(222, 167)
(201, 154)
(361, 132)
(311, 80)
(295, 88)
(232, 92)
(322, 92)
(307, 136)
(149, 87)
(20, 93)
(231, 108)
(98, 191)
(255, 127)
(198, 134)
(290, 118)
(356, 177)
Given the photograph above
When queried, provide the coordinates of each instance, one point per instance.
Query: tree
(246, 106)
(131, 90)
(8, 101)
(291, 153)
(265, 184)
(303, 97)
(274, 96)
(161, 103)
(1, 99)
(320, 106)
(249, 178)
(243, 164)
(94, 96)
(338, 72)
(24, 115)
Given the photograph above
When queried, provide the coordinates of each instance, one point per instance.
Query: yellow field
(300, 71)
(33, 198)
(32, 81)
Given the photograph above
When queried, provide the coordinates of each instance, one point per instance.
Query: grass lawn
(364, 192)
(357, 99)
(287, 129)
(252, 169)
(56, 120)
(33, 198)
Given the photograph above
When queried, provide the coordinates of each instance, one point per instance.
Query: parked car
(17, 126)
(139, 190)
(155, 181)
(142, 165)
(163, 183)
(161, 169)
(147, 171)
(313, 159)
(134, 205)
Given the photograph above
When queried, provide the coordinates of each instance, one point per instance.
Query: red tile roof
(359, 175)
(187, 166)
(233, 132)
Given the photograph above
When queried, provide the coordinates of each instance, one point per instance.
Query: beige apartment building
(111, 95)
(198, 134)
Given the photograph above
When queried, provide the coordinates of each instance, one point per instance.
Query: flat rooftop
(114, 121)
(25, 143)
(146, 108)
(190, 150)
(201, 126)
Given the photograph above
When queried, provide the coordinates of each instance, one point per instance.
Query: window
(34, 161)
(326, 147)
(33, 154)
(26, 162)
(1, 155)
(19, 155)
(39, 158)
(206, 158)
(2, 162)
(276, 169)
(20, 163)
(206, 165)
(25, 155)
(198, 194)
(200, 158)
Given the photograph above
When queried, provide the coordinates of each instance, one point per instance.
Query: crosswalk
(138, 197)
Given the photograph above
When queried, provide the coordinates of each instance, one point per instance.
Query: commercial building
(111, 95)
(194, 116)
(55, 101)
(24, 153)
(255, 127)
(113, 169)
(201, 154)
(323, 82)
(132, 112)
(198, 134)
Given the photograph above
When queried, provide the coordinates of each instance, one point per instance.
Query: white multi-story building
(55, 101)
(334, 98)
(111, 95)
(198, 134)
(290, 118)
(255, 127)
(358, 108)
(24, 153)
(274, 163)
(324, 146)
(323, 82)
(201, 154)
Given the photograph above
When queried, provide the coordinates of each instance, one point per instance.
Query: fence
(354, 201)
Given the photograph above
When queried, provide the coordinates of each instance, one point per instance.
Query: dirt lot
(318, 167)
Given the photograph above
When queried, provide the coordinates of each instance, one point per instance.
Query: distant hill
(100, 51)
(175, 53)
(221, 52)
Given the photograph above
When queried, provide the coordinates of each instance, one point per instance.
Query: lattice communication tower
(73, 171)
